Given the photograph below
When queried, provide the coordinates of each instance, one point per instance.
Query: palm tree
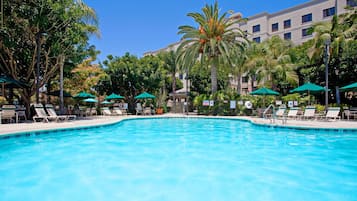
(211, 41)
(171, 66)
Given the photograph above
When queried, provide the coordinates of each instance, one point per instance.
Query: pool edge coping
(246, 119)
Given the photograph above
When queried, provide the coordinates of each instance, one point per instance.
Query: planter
(159, 110)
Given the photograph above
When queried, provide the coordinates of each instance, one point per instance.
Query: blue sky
(139, 26)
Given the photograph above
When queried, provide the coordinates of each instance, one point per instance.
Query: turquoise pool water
(180, 160)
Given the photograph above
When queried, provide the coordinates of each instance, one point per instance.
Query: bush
(222, 103)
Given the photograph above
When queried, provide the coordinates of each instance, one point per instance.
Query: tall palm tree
(211, 40)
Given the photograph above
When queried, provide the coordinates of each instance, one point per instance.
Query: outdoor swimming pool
(180, 159)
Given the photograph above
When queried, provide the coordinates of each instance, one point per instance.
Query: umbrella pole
(3, 89)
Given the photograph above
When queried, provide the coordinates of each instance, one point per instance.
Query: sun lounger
(332, 114)
(117, 111)
(41, 114)
(106, 111)
(309, 113)
(293, 113)
(51, 112)
(139, 109)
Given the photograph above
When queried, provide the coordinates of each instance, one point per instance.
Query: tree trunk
(174, 90)
(239, 83)
(252, 82)
(214, 77)
(61, 84)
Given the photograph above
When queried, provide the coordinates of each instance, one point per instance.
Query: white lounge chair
(51, 112)
(332, 113)
(139, 109)
(42, 115)
(106, 111)
(309, 112)
(293, 113)
(117, 111)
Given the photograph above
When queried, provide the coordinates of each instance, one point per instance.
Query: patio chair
(8, 112)
(51, 112)
(42, 115)
(332, 113)
(309, 112)
(293, 113)
(139, 109)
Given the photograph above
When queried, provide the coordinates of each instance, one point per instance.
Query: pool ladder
(273, 115)
(272, 119)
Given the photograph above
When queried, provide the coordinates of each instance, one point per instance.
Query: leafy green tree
(67, 25)
(129, 76)
(211, 41)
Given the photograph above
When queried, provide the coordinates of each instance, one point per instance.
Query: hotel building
(290, 24)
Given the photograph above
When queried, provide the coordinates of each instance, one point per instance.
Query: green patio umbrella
(144, 95)
(350, 87)
(106, 102)
(90, 100)
(308, 88)
(114, 96)
(264, 92)
(11, 82)
(83, 95)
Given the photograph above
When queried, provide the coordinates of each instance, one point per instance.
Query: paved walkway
(100, 120)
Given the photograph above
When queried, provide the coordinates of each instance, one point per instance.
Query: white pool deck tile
(6, 129)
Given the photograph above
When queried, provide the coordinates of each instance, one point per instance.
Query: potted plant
(160, 102)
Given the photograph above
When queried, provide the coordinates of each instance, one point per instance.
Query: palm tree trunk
(239, 85)
(214, 77)
(174, 90)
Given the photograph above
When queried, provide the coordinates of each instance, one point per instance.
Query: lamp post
(38, 59)
(326, 58)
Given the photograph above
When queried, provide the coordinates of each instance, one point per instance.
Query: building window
(351, 3)
(306, 18)
(287, 36)
(287, 24)
(256, 28)
(306, 32)
(275, 27)
(328, 12)
(256, 39)
(245, 79)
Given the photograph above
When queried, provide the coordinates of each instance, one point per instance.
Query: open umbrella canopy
(114, 96)
(265, 92)
(9, 81)
(144, 95)
(90, 100)
(106, 102)
(83, 95)
(57, 93)
(350, 87)
(308, 88)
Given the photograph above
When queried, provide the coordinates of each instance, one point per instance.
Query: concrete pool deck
(6, 129)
